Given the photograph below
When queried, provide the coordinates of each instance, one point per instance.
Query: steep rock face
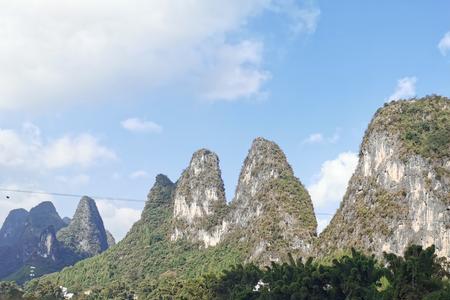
(271, 210)
(110, 238)
(30, 239)
(400, 193)
(48, 246)
(13, 227)
(277, 218)
(199, 200)
(21, 234)
(85, 234)
(42, 216)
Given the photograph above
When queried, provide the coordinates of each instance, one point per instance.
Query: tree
(415, 275)
(10, 291)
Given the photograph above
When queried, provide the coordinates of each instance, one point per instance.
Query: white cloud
(444, 44)
(18, 200)
(138, 125)
(322, 222)
(77, 180)
(83, 150)
(60, 49)
(26, 149)
(406, 88)
(237, 72)
(319, 138)
(304, 19)
(138, 174)
(314, 138)
(331, 183)
(118, 220)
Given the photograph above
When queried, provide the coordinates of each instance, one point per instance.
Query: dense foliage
(423, 125)
(417, 275)
(420, 274)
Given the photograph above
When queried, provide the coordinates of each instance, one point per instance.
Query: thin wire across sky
(108, 198)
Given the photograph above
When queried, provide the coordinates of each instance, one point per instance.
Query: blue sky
(98, 97)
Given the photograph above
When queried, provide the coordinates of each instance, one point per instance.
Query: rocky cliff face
(400, 193)
(43, 216)
(188, 229)
(269, 201)
(110, 238)
(30, 239)
(199, 200)
(271, 209)
(48, 246)
(85, 234)
(13, 227)
(21, 236)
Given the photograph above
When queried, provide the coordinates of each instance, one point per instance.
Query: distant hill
(29, 246)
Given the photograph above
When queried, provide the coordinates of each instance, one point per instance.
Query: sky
(98, 97)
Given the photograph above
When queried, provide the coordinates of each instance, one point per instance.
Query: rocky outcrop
(400, 193)
(86, 234)
(48, 246)
(13, 227)
(110, 238)
(271, 207)
(21, 237)
(43, 216)
(271, 210)
(30, 239)
(199, 200)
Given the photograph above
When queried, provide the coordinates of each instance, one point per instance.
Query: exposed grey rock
(42, 216)
(271, 211)
(110, 238)
(199, 200)
(13, 227)
(396, 197)
(48, 246)
(66, 220)
(271, 207)
(22, 232)
(85, 234)
(265, 162)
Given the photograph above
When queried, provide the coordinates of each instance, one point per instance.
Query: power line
(97, 197)
(70, 195)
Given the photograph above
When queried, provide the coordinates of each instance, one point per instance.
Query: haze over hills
(39, 241)
(398, 196)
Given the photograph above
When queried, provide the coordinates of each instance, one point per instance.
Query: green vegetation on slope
(418, 275)
(423, 125)
(147, 253)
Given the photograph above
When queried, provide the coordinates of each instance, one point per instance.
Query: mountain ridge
(395, 197)
(28, 240)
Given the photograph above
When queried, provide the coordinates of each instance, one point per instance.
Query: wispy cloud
(26, 149)
(93, 48)
(444, 44)
(76, 180)
(138, 125)
(303, 18)
(139, 174)
(406, 88)
(319, 138)
(331, 183)
(236, 72)
(118, 219)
